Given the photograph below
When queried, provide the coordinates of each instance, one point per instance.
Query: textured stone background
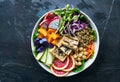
(17, 18)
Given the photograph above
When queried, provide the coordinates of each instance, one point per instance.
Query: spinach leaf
(35, 34)
(79, 68)
(95, 35)
(92, 55)
(35, 52)
(83, 18)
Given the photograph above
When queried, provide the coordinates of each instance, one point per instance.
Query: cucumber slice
(49, 59)
(39, 55)
(44, 57)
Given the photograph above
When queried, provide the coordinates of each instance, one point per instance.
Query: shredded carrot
(90, 50)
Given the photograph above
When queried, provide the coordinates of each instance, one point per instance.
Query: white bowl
(87, 63)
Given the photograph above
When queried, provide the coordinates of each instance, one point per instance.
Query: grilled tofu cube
(58, 53)
(70, 42)
(65, 50)
(68, 51)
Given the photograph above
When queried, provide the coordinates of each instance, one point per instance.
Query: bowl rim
(88, 63)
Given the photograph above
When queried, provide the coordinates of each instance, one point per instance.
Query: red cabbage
(42, 40)
(42, 44)
(41, 49)
(36, 41)
(74, 27)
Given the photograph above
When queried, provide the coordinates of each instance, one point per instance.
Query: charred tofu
(58, 53)
(65, 50)
(70, 42)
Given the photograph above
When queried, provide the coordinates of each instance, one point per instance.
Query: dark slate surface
(17, 18)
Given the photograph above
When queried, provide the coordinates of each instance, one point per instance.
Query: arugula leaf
(80, 68)
(35, 34)
(67, 7)
(92, 55)
(83, 18)
(59, 12)
(75, 10)
(75, 18)
(34, 37)
(35, 52)
(95, 35)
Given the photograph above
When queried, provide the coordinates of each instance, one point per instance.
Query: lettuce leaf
(79, 68)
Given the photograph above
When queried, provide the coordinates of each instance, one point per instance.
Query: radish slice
(44, 23)
(49, 16)
(56, 17)
(54, 23)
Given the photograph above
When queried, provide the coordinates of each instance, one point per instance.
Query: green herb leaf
(59, 12)
(35, 51)
(62, 27)
(92, 55)
(67, 7)
(69, 19)
(95, 35)
(75, 10)
(75, 17)
(35, 34)
(80, 68)
(83, 18)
